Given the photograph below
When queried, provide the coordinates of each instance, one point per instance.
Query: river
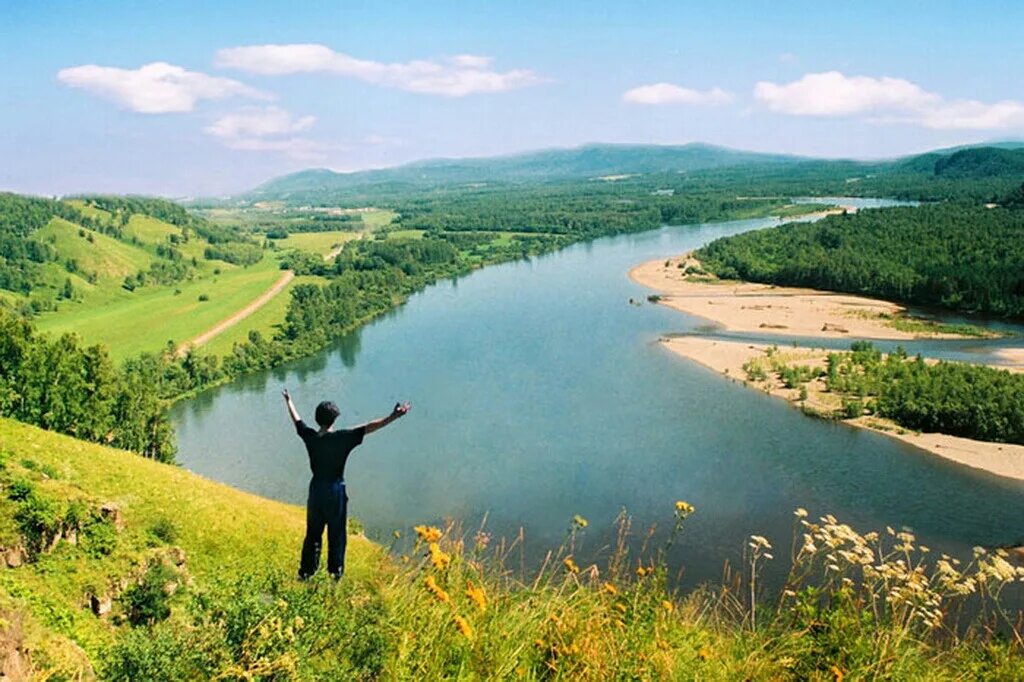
(540, 393)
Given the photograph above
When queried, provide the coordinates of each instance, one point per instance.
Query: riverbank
(730, 358)
(750, 307)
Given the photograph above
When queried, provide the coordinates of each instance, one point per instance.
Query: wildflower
(463, 626)
(703, 653)
(611, 589)
(800, 513)
(436, 590)
(579, 521)
(759, 541)
(539, 643)
(477, 596)
(553, 618)
(428, 533)
(437, 557)
(570, 565)
(668, 606)
(621, 607)
(684, 508)
(642, 571)
(299, 622)
(837, 672)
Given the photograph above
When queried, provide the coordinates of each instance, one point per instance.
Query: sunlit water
(539, 393)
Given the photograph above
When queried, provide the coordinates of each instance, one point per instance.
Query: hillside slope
(223, 535)
(121, 568)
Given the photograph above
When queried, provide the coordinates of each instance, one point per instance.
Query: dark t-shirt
(328, 451)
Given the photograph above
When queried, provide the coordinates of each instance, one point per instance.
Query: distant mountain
(589, 161)
(996, 159)
(982, 162)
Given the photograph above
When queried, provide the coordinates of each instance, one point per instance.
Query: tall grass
(866, 606)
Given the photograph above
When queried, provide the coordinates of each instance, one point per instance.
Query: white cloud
(456, 77)
(259, 122)
(155, 88)
(471, 61)
(267, 129)
(667, 93)
(834, 94)
(884, 100)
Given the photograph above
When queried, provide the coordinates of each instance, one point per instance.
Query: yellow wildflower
(684, 508)
(436, 590)
(463, 626)
(428, 533)
(437, 557)
(668, 606)
(611, 589)
(570, 565)
(642, 571)
(579, 521)
(703, 653)
(477, 596)
(621, 607)
(835, 670)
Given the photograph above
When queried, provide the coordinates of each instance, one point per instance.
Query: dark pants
(327, 506)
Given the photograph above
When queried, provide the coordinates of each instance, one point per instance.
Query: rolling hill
(588, 161)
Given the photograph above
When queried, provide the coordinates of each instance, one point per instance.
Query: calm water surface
(538, 393)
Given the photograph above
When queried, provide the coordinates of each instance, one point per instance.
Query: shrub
(148, 601)
(164, 530)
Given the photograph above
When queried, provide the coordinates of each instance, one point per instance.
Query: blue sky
(186, 99)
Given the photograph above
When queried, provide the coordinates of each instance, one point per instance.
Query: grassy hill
(133, 281)
(124, 568)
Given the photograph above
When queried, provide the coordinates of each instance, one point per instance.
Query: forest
(972, 401)
(948, 255)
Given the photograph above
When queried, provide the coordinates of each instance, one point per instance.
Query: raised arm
(399, 411)
(292, 412)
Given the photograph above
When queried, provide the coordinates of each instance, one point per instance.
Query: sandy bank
(729, 357)
(748, 307)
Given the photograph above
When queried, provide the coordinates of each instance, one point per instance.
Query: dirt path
(245, 312)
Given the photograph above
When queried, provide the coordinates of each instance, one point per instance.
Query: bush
(148, 602)
(164, 530)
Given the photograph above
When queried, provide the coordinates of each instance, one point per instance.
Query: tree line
(959, 399)
(948, 255)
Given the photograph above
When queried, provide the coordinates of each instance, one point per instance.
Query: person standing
(327, 504)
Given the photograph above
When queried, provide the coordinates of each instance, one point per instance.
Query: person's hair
(326, 413)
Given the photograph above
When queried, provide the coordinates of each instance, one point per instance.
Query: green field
(147, 318)
(378, 218)
(90, 211)
(106, 256)
(317, 242)
(266, 320)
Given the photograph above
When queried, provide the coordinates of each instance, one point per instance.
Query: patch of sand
(729, 357)
(748, 307)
